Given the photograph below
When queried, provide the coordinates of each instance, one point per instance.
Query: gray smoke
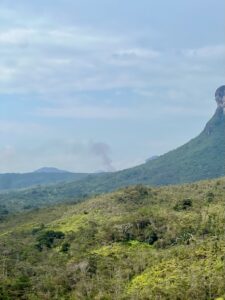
(103, 150)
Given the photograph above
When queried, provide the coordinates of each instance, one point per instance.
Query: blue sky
(91, 85)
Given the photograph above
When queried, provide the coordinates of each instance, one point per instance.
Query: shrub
(184, 204)
(65, 247)
(210, 197)
(47, 238)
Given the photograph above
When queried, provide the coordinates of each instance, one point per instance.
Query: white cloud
(16, 36)
(51, 61)
(6, 73)
(214, 51)
(21, 128)
(66, 37)
(86, 112)
(133, 54)
(44, 60)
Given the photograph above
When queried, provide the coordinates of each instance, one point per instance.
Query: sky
(90, 85)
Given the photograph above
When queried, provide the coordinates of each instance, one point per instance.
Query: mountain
(136, 243)
(50, 170)
(201, 158)
(10, 181)
(139, 242)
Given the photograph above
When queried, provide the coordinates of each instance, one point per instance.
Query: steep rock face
(220, 97)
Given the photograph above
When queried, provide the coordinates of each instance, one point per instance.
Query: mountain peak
(220, 98)
(50, 170)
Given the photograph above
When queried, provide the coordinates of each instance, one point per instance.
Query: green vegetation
(47, 239)
(201, 158)
(137, 243)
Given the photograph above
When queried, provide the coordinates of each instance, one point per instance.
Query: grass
(136, 243)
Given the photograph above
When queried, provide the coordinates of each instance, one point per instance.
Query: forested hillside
(201, 158)
(136, 243)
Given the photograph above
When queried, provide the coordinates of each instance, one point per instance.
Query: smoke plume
(102, 150)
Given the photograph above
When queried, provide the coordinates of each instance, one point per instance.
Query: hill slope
(137, 243)
(201, 158)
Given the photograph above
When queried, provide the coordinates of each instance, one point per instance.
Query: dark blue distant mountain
(42, 176)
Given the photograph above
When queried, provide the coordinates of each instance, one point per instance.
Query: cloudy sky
(89, 85)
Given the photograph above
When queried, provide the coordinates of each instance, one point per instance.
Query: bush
(47, 238)
(184, 204)
(65, 247)
(133, 194)
(210, 197)
(140, 230)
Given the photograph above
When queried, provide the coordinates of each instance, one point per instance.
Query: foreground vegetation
(136, 243)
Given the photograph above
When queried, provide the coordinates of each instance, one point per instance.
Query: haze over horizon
(105, 88)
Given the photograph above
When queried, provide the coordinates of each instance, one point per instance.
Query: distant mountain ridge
(50, 170)
(201, 158)
(12, 181)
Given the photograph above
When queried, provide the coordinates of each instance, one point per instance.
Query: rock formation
(220, 97)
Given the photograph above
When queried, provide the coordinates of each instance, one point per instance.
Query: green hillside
(136, 243)
(201, 158)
